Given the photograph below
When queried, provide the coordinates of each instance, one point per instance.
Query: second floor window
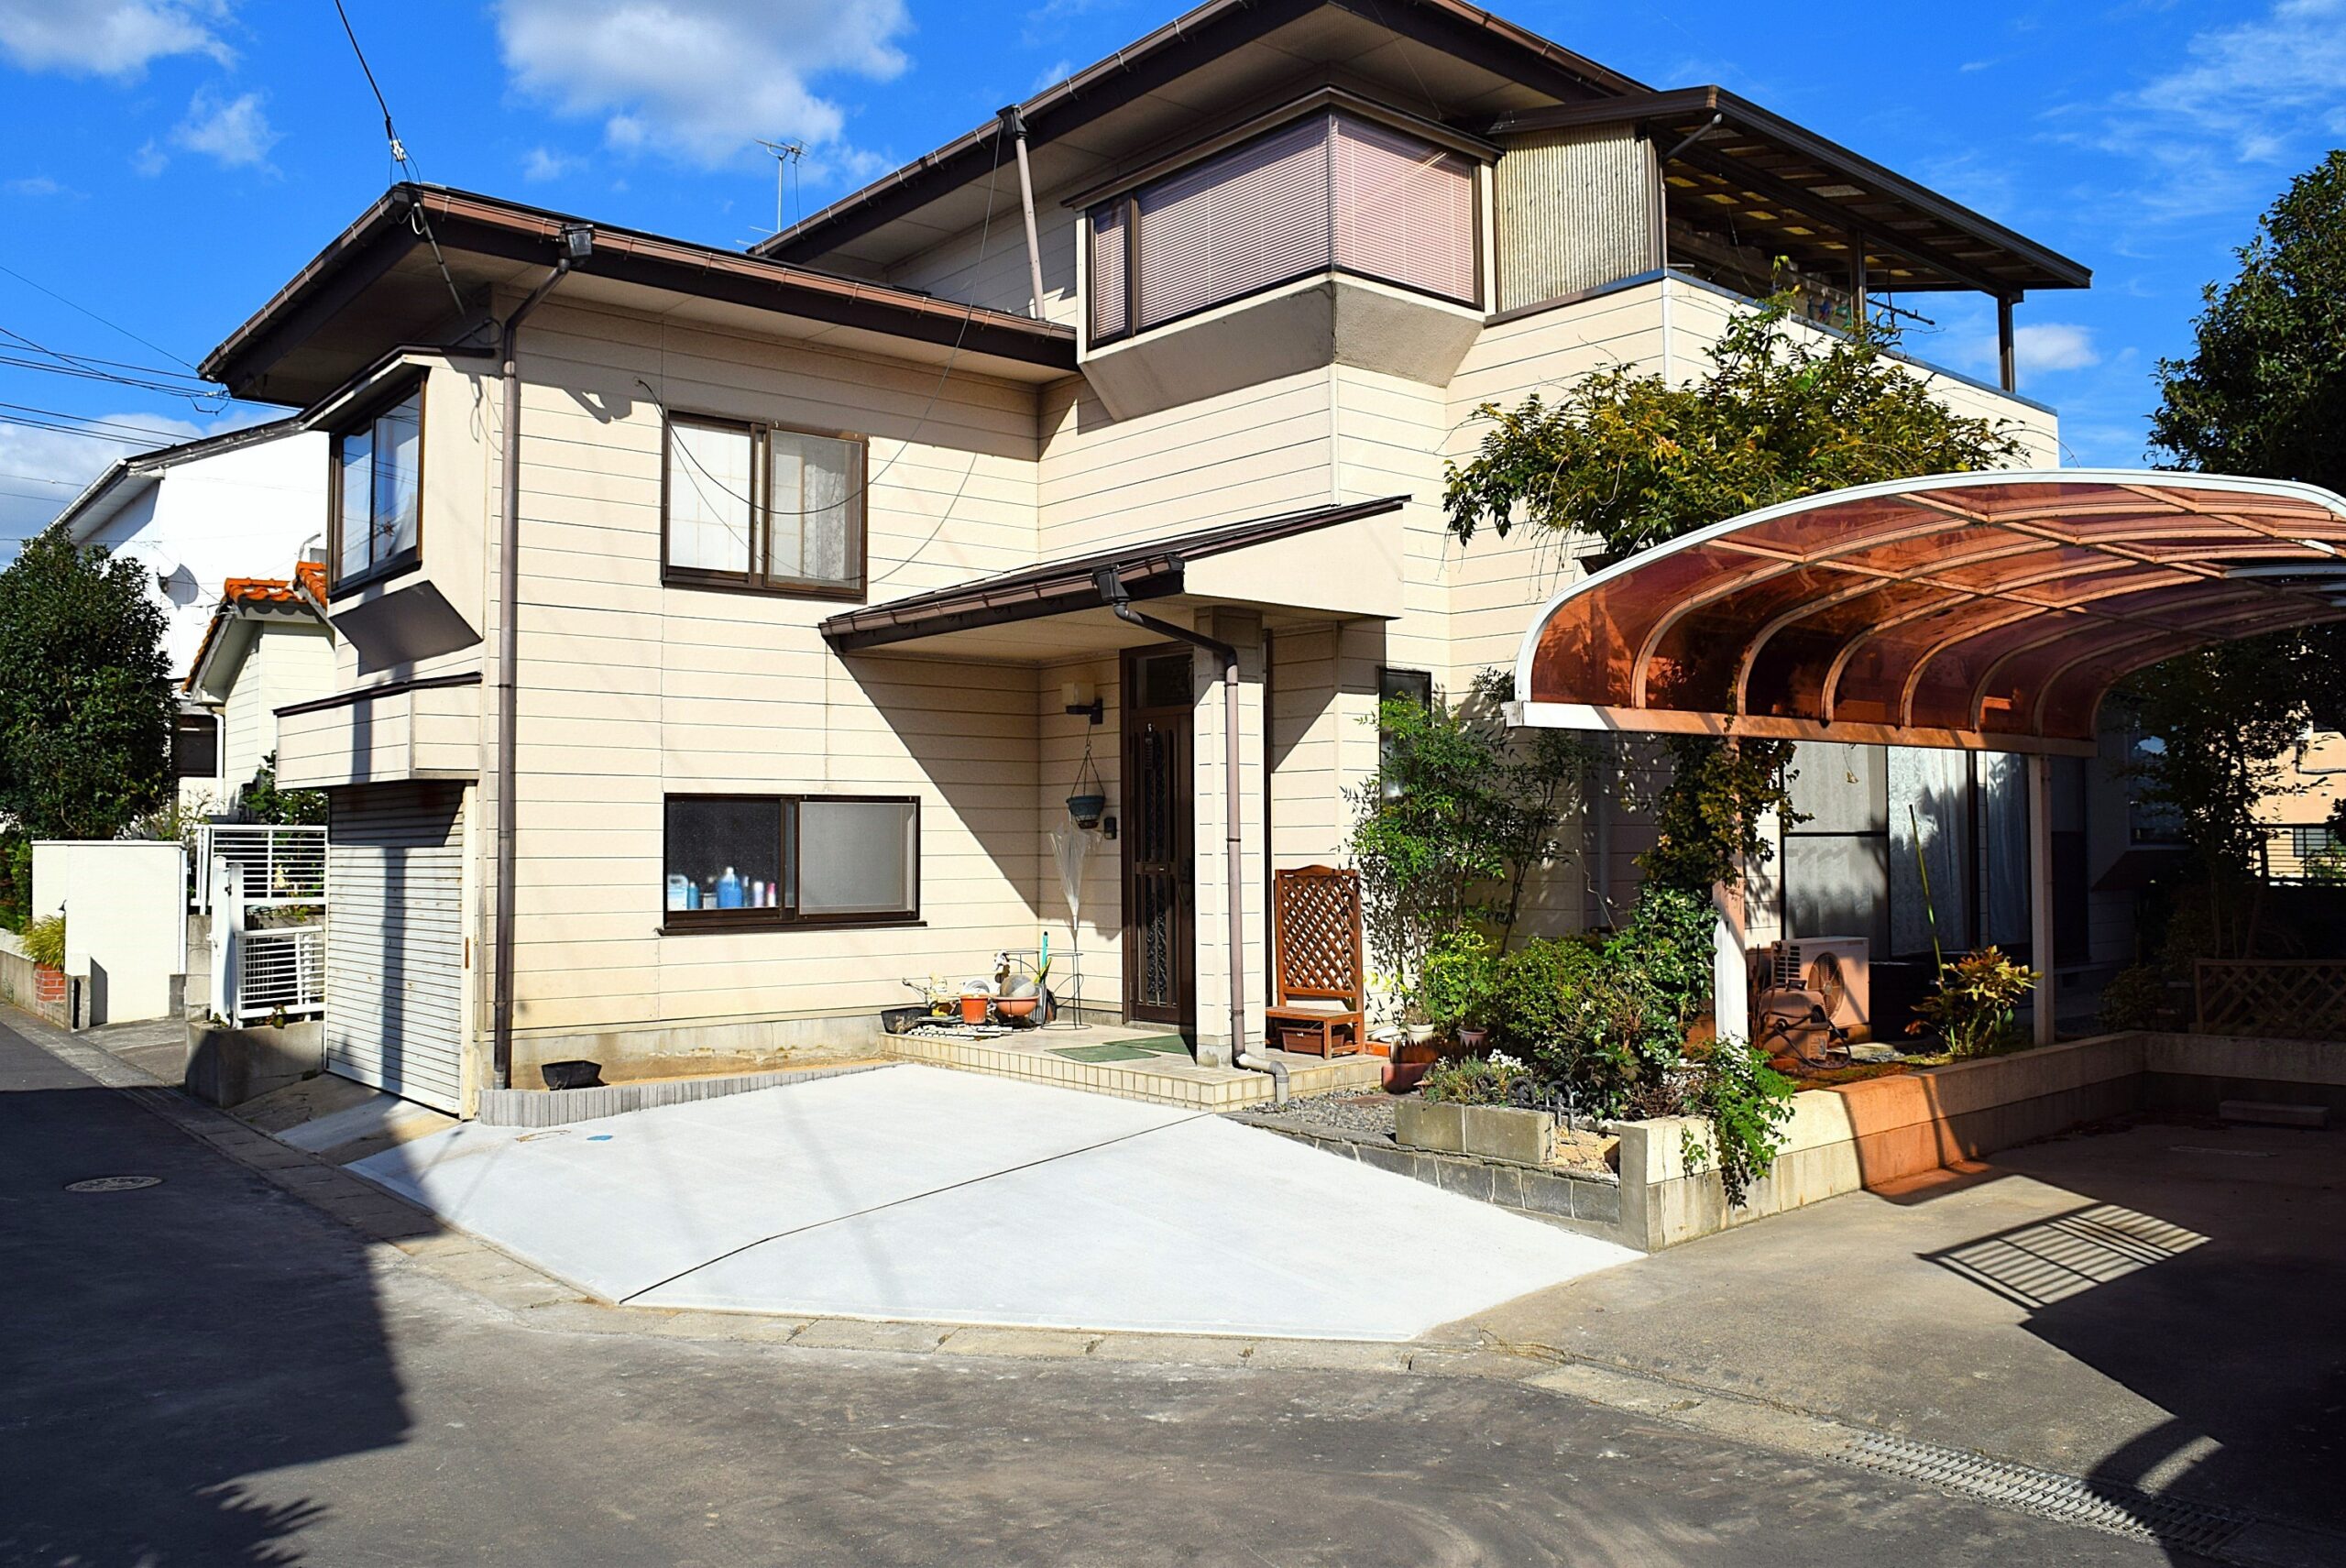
(1331, 192)
(378, 492)
(760, 507)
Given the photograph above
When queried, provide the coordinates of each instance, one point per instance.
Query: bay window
(1330, 192)
(377, 492)
(759, 505)
(747, 861)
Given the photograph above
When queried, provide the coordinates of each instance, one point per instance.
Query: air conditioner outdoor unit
(1818, 985)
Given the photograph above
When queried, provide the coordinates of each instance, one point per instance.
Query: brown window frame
(785, 915)
(406, 560)
(1128, 201)
(757, 579)
(181, 745)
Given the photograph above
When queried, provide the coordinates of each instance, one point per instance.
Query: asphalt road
(209, 1372)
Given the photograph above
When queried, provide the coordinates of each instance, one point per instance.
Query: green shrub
(2135, 998)
(1971, 1007)
(1474, 1081)
(45, 941)
(1458, 983)
(1747, 1104)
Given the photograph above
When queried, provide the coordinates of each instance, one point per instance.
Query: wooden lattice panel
(2279, 998)
(1318, 932)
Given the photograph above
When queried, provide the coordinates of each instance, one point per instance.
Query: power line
(400, 157)
(93, 315)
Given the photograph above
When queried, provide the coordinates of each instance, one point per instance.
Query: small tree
(1706, 823)
(1784, 411)
(85, 696)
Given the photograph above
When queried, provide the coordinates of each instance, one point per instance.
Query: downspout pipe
(1013, 125)
(1114, 594)
(578, 244)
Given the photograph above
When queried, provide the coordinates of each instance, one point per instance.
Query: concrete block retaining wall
(559, 1108)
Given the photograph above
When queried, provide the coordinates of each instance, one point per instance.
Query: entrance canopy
(1989, 610)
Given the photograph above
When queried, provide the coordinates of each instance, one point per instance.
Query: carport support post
(2040, 889)
(1730, 970)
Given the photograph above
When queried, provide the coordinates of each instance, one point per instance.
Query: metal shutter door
(395, 945)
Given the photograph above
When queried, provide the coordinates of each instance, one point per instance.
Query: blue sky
(168, 164)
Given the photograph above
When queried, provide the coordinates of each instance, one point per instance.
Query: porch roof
(1991, 611)
(945, 620)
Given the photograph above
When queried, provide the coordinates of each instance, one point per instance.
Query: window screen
(814, 532)
(856, 857)
(195, 746)
(724, 853)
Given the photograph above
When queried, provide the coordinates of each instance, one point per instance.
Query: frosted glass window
(856, 857)
(379, 490)
(814, 532)
(709, 468)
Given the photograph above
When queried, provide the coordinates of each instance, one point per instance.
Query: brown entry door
(1160, 864)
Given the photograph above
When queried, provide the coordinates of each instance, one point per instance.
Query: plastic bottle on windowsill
(728, 890)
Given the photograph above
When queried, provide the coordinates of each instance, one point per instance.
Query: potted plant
(44, 946)
(1088, 800)
(1456, 984)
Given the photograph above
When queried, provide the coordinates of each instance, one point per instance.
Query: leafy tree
(85, 696)
(262, 801)
(1706, 823)
(2264, 390)
(1784, 411)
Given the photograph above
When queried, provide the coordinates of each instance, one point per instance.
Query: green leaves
(1786, 411)
(1708, 822)
(85, 700)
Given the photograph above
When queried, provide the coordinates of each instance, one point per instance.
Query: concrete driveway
(916, 1192)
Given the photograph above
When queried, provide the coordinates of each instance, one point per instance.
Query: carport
(1989, 611)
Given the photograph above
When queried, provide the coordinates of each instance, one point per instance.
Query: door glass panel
(1165, 681)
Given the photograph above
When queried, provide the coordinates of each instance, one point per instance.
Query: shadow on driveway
(168, 1342)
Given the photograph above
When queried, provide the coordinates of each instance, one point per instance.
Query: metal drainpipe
(1112, 590)
(1014, 124)
(577, 241)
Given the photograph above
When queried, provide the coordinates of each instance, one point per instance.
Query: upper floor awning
(1989, 610)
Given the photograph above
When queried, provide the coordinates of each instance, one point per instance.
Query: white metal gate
(395, 943)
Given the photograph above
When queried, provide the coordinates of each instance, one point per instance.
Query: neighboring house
(267, 646)
(207, 513)
(821, 550)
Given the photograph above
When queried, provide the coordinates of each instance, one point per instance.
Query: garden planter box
(1486, 1131)
(228, 1066)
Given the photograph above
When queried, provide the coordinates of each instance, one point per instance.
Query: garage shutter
(395, 944)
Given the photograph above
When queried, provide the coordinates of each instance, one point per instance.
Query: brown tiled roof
(307, 586)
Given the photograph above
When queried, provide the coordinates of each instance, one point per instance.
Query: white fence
(280, 865)
(253, 878)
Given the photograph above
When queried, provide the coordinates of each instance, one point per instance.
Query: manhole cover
(113, 1184)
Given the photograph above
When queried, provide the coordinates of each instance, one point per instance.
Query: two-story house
(720, 634)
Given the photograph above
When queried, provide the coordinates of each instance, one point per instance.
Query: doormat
(1125, 1050)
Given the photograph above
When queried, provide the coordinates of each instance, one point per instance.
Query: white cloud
(34, 185)
(698, 80)
(117, 38)
(2040, 347)
(1051, 75)
(540, 164)
(234, 130)
(150, 159)
(2249, 98)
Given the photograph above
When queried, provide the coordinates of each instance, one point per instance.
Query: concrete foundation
(726, 1046)
(228, 1066)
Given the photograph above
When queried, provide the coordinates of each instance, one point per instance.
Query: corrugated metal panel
(395, 946)
(1573, 212)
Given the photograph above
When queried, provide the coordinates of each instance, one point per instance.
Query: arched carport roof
(1991, 611)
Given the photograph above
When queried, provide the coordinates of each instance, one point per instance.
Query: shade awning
(1989, 610)
(1252, 563)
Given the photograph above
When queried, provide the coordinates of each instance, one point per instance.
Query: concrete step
(2270, 1113)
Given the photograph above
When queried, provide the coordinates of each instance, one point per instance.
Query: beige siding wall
(286, 663)
(995, 273)
(630, 690)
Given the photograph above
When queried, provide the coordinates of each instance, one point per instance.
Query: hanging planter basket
(1088, 802)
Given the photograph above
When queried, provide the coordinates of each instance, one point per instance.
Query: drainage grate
(113, 1184)
(2111, 1507)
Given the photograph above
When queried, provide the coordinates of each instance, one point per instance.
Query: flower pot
(1085, 810)
(1017, 1007)
(973, 1009)
(1471, 1038)
(1419, 1034)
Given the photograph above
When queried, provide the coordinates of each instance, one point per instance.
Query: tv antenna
(787, 155)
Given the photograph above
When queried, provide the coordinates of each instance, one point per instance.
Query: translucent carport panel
(1590, 642)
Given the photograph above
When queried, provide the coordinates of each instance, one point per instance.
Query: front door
(1160, 863)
